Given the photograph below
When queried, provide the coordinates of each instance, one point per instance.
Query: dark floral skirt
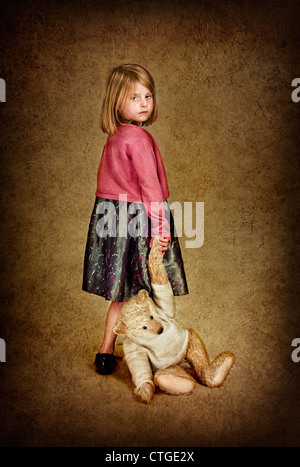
(117, 249)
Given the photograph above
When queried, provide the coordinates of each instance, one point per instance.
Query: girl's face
(137, 105)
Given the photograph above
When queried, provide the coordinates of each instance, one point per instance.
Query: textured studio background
(228, 131)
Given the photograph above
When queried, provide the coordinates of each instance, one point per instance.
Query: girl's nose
(143, 102)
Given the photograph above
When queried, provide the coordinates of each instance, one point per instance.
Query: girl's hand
(163, 242)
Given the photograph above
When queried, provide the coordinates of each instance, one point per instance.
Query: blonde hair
(119, 84)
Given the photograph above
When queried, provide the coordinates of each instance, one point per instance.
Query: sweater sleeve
(144, 161)
(164, 300)
(138, 363)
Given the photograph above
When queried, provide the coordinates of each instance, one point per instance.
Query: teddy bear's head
(138, 317)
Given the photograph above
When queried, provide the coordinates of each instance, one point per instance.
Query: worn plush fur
(155, 342)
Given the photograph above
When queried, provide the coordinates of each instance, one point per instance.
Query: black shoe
(105, 363)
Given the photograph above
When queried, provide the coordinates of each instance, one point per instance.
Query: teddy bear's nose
(160, 330)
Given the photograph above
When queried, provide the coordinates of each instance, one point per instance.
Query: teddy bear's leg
(156, 266)
(175, 380)
(214, 373)
(219, 369)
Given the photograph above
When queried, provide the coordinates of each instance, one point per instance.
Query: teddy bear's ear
(142, 295)
(120, 328)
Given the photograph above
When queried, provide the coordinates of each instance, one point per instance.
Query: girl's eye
(151, 317)
(145, 327)
(149, 96)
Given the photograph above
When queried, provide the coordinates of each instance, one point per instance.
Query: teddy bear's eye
(145, 327)
(151, 317)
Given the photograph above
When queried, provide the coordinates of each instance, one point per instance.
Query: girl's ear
(120, 328)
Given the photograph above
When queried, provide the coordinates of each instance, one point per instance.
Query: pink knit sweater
(131, 165)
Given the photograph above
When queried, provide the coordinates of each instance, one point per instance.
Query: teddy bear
(156, 343)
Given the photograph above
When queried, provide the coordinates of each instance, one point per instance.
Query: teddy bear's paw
(146, 393)
(176, 385)
(219, 369)
(174, 380)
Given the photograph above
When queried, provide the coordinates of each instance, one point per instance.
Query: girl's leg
(107, 345)
(105, 360)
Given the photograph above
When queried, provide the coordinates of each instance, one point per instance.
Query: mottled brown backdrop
(228, 131)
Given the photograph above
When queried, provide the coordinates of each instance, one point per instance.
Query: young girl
(131, 205)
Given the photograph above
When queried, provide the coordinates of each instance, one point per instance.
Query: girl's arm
(145, 164)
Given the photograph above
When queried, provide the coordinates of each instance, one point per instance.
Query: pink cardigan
(131, 164)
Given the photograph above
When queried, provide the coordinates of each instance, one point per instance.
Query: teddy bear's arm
(138, 363)
(156, 266)
(164, 300)
(162, 291)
